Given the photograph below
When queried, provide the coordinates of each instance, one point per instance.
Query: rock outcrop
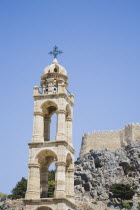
(96, 171)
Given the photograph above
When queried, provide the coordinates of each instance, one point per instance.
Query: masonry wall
(111, 140)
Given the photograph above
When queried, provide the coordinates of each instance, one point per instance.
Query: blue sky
(101, 44)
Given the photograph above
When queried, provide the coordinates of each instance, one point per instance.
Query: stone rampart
(111, 140)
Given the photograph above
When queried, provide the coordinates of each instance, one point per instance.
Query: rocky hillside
(97, 170)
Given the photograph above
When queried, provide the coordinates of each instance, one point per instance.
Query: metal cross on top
(55, 52)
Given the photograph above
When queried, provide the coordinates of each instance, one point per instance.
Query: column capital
(34, 165)
(47, 118)
(69, 119)
(60, 163)
(61, 111)
(38, 113)
(70, 170)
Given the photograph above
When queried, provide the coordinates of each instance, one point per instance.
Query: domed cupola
(54, 80)
(55, 68)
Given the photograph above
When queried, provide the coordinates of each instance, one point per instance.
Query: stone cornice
(46, 201)
(54, 75)
(50, 144)
(54, 96)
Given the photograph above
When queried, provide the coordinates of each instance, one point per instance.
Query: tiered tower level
(51, 98)
(111, 140)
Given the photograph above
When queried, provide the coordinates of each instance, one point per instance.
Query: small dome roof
(55, 67)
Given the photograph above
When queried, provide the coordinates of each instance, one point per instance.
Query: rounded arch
(68, 111)
(49, 107)
(46, 156)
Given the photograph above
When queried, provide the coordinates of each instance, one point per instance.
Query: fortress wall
(98, 140)
(132, 132)
(128, 133)
(111, 140)
(85, 146)
(122, 137)
(136, 132)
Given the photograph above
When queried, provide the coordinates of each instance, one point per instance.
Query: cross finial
(55, 52)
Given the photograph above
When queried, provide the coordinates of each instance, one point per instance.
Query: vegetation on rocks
(122, 191)
(126, 206)
(97, 171)
(138, 206)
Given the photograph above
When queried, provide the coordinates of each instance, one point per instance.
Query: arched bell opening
(49, 111)
(56, 68)
(53, 126)
(51, 180)
(47, 177)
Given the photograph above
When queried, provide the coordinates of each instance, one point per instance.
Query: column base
(60, 194)
(60, 137)
(32, 194)
(37, 139)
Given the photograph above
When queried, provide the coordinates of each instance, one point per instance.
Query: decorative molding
(38, 113)
(54, 76)
(55, 96)
(34, 165)
(69, 119)
(60, 111)
(60, 164)
(52, 144)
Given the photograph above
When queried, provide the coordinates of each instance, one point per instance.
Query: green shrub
(138, 206)
(91, 150)
(95, 202)
(122, 191)
(139, 155)
(20, 189)
(126, 206)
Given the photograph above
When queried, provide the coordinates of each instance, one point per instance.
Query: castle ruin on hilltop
(111, 140)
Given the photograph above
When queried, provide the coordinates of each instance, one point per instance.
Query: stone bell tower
(51, 98)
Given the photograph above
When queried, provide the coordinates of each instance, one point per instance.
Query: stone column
(60, 188)
(47, 121)
(44, 182)
(38, 127)
(70, 183)
(60, 136)
(33, 186)
(69, 130)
